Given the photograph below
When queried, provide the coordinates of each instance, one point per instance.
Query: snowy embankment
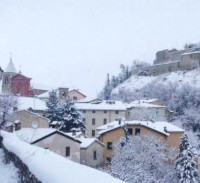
(182, 77)
(8, 172)
(52, 168)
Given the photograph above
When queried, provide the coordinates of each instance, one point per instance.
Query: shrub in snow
(7, 103)
(185, 164)
(71, 118)
(140, 159)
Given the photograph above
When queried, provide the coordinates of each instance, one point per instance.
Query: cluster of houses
(103, 120)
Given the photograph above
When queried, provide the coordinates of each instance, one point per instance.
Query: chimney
(119, 121)
(165, 129)
(73, 131)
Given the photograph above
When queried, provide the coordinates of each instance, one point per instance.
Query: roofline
(102, 109)
(108, 130)
(77, 91)
(21, 75)
(60, 133)
(96, 140)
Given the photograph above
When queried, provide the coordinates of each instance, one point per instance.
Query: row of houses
(103, 119)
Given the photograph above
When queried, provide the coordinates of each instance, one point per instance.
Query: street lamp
(1, 73)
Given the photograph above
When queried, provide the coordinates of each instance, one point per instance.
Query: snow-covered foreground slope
(8, 172)
(49, 167)
(182, 77)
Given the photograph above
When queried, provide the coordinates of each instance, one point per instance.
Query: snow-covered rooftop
(87, 100)
(189, 53)
(86, 142)
(43, 95)
(42, 87)
(30, 102)
(10, 67)
(157, 126)
(30, 135)
(104, 105)
(76, 135)
(143, 104)
(51, 168)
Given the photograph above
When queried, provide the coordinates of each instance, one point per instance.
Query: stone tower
(8, 73)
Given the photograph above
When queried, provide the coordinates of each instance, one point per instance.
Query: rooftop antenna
(11, 56)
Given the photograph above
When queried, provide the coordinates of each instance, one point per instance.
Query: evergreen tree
(54, 108)
(185, 164)
(72, 118)
(113, 82)
(107, 88)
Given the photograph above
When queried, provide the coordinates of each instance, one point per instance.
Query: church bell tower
(8, 73)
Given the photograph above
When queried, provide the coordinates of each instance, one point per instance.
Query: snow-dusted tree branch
(141, 159)
(7, 104)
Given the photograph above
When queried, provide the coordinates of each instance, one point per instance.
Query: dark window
(109, 145)
(105, 111)
(93, 111)
(94, 155)
(104, 121)
(84, 111)
(137, 131)
(93, 133)
(93, 121)
(74, 98)
(116, 112)
(130, 131)
(6, 80)
(67, 151)
(108, 160)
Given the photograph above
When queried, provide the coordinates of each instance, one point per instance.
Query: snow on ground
(8, 172)
(134, 83)
(182, 77)
(49, 167)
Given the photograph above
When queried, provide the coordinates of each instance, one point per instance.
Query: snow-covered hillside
(135, 83)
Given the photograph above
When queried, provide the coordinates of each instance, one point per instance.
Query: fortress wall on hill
(188, 62)
(156, 70)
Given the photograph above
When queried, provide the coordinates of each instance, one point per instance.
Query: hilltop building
(149, 109)
(171, 61)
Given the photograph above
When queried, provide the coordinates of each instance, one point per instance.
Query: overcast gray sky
(74, 43)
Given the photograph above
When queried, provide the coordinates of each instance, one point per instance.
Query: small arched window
(6, 80)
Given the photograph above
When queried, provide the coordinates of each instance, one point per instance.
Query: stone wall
(188, 61)
(158, 69)
(24, 173)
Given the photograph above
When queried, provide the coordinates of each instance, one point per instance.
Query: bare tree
(7, 104)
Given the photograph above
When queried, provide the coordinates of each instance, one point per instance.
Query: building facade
(100, 113)
(108, 134)
(75, 95)
(146, 110)
(26, 117)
